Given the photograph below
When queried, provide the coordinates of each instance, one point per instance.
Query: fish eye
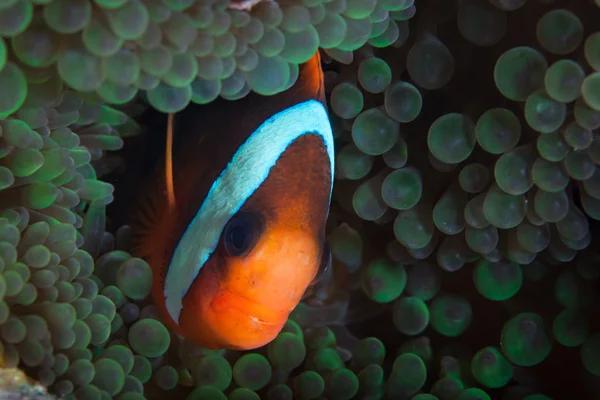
(241, 233)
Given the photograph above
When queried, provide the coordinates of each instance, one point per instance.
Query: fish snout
(243, 323)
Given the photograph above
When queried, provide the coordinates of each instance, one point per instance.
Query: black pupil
(238, 235)
(241, 233)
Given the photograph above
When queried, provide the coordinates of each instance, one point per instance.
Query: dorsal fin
(169, 163)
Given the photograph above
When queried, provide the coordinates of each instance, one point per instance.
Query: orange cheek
(278, 270)
(194, 322)
(248, 306)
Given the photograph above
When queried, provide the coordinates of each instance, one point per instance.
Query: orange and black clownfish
(233, 224)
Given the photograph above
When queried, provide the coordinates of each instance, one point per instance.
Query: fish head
(268, 254)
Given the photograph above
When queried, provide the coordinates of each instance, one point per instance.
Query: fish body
(233, 224)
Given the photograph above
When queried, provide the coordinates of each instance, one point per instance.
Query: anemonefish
(233, 221)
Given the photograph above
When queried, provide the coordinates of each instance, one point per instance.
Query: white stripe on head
(247, 170)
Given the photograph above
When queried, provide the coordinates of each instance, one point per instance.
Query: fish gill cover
(463, 226)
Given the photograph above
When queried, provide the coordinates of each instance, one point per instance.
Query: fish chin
(242, 323)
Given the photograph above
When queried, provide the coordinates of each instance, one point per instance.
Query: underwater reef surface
(463, 227)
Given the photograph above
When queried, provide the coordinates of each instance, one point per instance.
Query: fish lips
(244, 323)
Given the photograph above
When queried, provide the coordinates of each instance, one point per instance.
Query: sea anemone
(463, 223)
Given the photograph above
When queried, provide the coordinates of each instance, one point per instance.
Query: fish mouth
(244, 323)
(255, 310)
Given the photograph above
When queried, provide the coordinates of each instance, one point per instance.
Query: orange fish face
(268, 255)
(245, 293)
